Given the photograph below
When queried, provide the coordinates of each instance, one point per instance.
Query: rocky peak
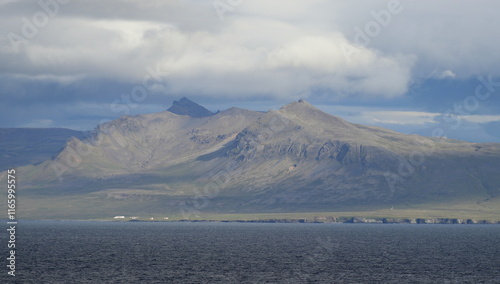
(187, 107)
(300, 105)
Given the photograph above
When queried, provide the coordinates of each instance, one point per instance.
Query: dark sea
(147, 252)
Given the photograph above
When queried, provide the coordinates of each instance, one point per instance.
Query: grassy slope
(100, 207)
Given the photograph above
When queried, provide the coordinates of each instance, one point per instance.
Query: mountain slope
(296, 159)
(24, 146)
(300, 155)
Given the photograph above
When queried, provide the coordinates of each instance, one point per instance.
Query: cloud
(402, 117)
(481, 118)
(369, 116)
(43, 123)
(442, 74)
(449, 34)
(278, 49)
(250, 56)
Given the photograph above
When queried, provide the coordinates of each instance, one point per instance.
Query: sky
(419, 67)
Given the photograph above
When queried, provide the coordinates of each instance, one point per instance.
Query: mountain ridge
(297, 158)
(25, 146)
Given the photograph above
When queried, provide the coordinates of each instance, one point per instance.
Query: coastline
(316, 220)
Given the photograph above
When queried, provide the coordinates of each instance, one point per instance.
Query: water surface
(146, 252)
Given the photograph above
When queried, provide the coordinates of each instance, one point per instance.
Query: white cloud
(402, 117)
(481, 118)
(377, 116)
(248, 56)
(442, 74)
(40, 123)
(273, 48)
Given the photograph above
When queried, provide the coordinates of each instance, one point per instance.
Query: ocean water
(146, 252)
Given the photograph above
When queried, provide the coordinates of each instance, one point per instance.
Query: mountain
(25, 146)
(295, 159)
(185, 106)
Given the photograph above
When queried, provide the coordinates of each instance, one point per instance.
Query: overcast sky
(412, 66)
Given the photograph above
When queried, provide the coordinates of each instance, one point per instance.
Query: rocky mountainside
(295, 159)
